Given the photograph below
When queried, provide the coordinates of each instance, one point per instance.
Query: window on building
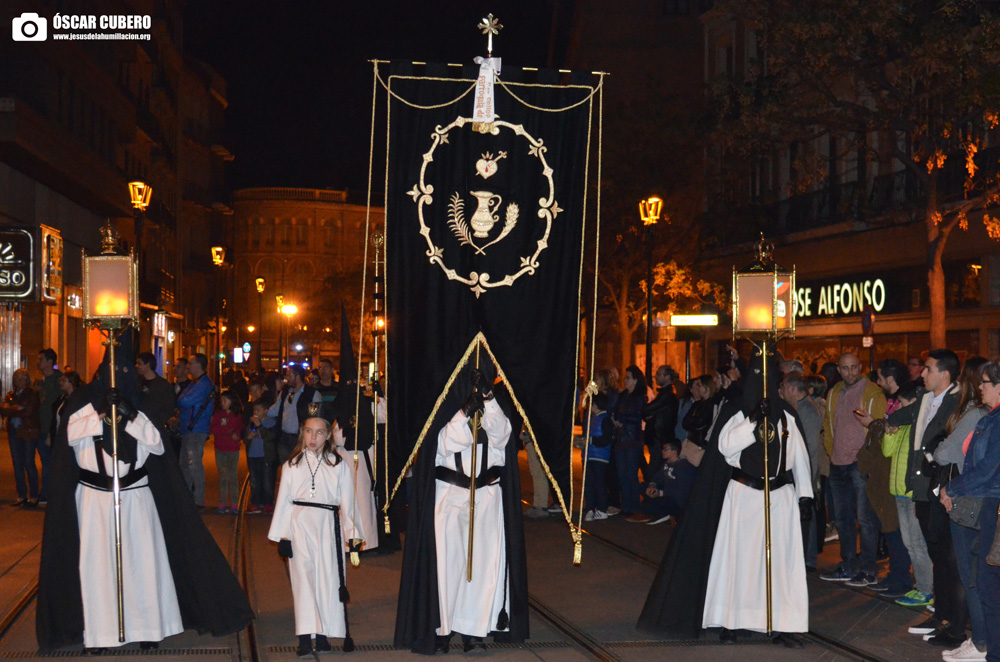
(286, 233)
(301, 232)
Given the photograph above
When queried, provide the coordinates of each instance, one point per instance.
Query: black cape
(676, 600)
(210, 598)
(418, 614)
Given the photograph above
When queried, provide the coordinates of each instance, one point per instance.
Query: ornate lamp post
(288, 310)
(111, 304)
(260, 322)
(140, 193)
(219, 260)
(763, 312)
(649, 210)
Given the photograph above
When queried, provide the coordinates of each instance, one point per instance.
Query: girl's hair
(328, 454)
(73, 378)
(817, 383)
(235, 405)
(606, 380)
(708, 381)
(968, 389)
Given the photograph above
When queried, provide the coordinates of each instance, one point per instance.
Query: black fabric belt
(311, 504)
(106, 483)
(452, 477)
(757, 483)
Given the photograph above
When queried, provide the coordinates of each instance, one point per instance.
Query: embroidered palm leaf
(456, 220)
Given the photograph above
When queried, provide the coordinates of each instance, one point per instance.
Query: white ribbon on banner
(484, 109)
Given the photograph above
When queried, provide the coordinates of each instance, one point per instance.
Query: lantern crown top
(764, 260)
(109, 239)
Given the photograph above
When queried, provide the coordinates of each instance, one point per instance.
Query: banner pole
(472, 483)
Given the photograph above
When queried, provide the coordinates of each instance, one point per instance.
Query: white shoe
(589, 517)
(661, 520)
(613, 511)
(599, 515)
(967, 652)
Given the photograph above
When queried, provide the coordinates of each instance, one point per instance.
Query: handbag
(965, 511)
(993, 557)
(26, 432)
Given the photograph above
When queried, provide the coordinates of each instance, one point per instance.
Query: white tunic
(472, 607)
(151, 609)
(313, 567)
(736, 597)
(365, 510)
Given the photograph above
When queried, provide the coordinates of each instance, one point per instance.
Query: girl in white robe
(308, 536)
(152, 612)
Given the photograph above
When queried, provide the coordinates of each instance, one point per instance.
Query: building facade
(79, 120)
(308, 246)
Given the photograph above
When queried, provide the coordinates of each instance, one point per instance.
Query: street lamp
(219, 260)
(140, 194)
(764, 310)
(288, 310)
(649, 211)
(260, 322)
(110, 304)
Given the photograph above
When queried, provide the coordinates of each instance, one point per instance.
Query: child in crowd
(261, 454)
(315, 493)
(595, 492)
(227, 428)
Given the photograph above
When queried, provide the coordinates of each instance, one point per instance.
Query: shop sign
(52, 264)
(17, 264)
(841, 298)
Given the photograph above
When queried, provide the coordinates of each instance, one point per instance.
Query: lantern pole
(472, 481)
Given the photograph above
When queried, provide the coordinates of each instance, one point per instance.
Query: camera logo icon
(29, 27)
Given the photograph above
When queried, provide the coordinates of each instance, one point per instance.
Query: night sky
(299, 80)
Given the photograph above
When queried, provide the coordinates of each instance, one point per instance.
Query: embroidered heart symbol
(486, 168)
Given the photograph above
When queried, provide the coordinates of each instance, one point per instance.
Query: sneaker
(894, 593)
(536, 513)
(253, 510)
(861, 580)
(831, 533)
(665, 518)
(637, 518)
(323, 645)
(222, 509)
(915, 599)
(589, 517)
(234, 508)
(838, 575)
(612, 511)
(967, 652)
(268, 509)
(944, 638)
(881, 587)
(924, 627)
(554, 510)
(598, 515)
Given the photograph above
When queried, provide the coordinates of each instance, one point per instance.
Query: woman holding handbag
(20, 406)
(980, 477)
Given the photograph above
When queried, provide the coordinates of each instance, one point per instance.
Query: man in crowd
(327, 388)
(195, 404)
(158, 399)
(843, 436)
(794, 391)
(915, 366)
(660, 416)
(292, 408)
(49, 392)
(181, 379)
(928, 427)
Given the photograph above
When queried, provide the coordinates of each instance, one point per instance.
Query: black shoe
(787, 640)
(442, 644)
(305, 649)
(149, 645)
(727, 636)
(20, 502)
(945, 639)
(95, 651)
(473, 644)
(323, 644)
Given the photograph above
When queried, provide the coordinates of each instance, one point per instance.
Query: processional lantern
(111, 304)
(763, 312)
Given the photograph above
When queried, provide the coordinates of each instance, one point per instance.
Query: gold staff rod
(116, 491)
(472, 482)
(767, 500)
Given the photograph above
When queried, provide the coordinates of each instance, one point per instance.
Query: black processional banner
(484, 232)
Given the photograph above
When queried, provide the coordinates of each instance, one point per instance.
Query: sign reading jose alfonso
(17, 264)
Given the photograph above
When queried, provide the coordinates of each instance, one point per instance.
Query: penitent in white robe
(365, 511)
(736, 597)
(151, 609)
(472, 607)
(313, 567)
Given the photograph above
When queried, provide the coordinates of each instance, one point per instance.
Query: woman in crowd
(627, 446)
(20, 406)
(68, 383)
(699, 417)
(980, 477)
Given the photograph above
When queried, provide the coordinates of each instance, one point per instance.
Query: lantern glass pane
(755, 302)
(107, 286)
(784, 301)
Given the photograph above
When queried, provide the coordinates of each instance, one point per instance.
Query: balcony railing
(282, 193)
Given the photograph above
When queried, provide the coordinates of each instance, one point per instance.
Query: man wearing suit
(928, 427)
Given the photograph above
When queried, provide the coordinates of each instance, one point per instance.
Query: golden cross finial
(490, 26)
